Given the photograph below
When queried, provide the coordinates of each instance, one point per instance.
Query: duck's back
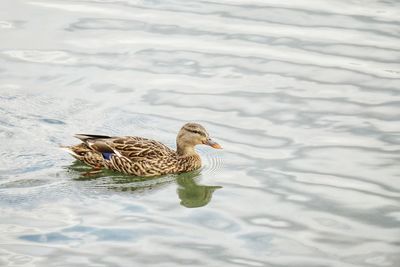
(140, 148)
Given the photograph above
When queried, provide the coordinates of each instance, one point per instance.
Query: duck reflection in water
(190, 193)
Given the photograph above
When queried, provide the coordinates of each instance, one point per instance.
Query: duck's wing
(130, 147)
(139, 148)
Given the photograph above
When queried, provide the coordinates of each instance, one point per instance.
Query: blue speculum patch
(106, 155)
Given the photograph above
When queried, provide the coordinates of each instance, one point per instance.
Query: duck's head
(192, 134)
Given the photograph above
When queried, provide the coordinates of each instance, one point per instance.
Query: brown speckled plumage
(141, 156)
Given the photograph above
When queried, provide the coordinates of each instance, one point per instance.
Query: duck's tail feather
(71, 151)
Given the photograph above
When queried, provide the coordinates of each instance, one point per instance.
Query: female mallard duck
(141, 156)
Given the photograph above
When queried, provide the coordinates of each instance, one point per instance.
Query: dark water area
(304, 96)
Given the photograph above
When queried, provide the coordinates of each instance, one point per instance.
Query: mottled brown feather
(140, 156)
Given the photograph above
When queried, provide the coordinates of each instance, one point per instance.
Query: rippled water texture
(304, 96)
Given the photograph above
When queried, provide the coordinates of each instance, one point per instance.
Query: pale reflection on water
(303, 96)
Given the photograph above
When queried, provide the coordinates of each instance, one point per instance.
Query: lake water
(304, 96)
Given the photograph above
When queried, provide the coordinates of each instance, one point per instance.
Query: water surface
(303, 96)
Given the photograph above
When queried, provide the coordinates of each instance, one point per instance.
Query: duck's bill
(213, 144)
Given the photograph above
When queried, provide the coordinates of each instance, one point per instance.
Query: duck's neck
(188, 159)
(185, 151)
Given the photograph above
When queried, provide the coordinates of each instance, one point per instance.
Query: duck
(141, 156)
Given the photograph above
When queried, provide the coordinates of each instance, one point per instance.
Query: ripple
(5, 24)
(269, 222)
(246, 262)
(56, 57)
(213, 161)
(53, 121)
(24, 183)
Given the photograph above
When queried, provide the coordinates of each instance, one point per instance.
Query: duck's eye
(196, 132)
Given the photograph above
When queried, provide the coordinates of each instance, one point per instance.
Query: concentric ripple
(212, 161)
